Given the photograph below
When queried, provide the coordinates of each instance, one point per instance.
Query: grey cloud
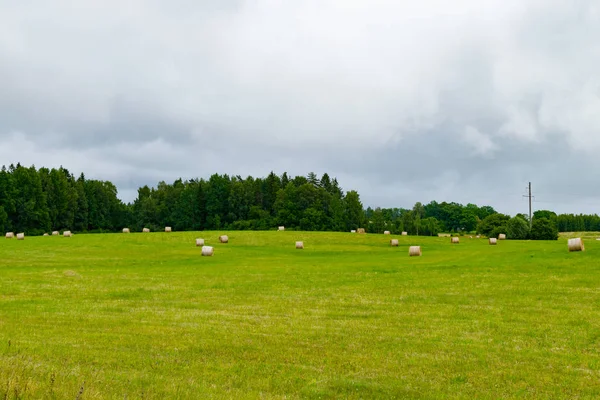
(403, 101)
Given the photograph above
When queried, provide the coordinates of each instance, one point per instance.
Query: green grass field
(119, 316)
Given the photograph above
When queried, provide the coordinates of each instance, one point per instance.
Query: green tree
(551, 215)
(216, 194)
(377, 224)
(354, 210)
(285, 179)
(3, 219)
(286, 207)
(337, 217)
(312, 220)
(407, 222)
(80, 217)
(7, 197)
(313, 180)
(543, 229)
(104, 208)
(430, 226)
(517, 228)
(493, 224)
(272, 185)
(418, 213)
(326, 183)
(31, 210)
(468, 220)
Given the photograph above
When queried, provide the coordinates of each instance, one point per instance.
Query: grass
(119, 316)
(584, 235)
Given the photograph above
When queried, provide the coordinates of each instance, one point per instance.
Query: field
(119, 316)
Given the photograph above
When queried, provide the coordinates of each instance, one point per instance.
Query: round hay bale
(199, 242)
(10, 235)
(146, 230)
(281, 228)
(67, 234)
(414, 251)
(493, 241)
(45, 234)
(576, 244)
(360, 230)
(300, 245)
(387, 233)
(502, 236)
(20, 236)
(478, 236)
(168, 229)
(353, 231)
(404, 233)
(55, 233)
(470, 237)
(454, 240)
(394, 242)
(126, 230)
(207, 251)
(224, 239)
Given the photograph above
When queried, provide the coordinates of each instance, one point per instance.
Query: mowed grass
(119, 316)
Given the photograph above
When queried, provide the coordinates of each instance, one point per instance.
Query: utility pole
(530, 218)
(529, 195)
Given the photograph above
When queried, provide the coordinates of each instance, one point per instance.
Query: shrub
(517, 228)
(493, 224)
(543, 229)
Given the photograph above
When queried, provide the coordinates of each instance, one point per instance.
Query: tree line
(35, 201)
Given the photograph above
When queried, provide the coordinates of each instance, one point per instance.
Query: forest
(35, 201)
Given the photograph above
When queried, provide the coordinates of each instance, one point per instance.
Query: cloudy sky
(404, 101)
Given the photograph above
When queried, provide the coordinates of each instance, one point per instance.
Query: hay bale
(67, 233)
(470, 237)
(224, 239)
(414, 251)
(404, 233)
(45, 234)
(168, 229)
(394, 242)
(281, 228)
(353, 231)
(20, 236)
(493, 241)
(199, 242)
(10, 235)
(502, 236)
(387, 233)
(300, 245)
(360, 230)
(126, 230)
(454, 240)
(207, 251)
(146, 230)
(478, 236)
(576, 244)
(55, 233)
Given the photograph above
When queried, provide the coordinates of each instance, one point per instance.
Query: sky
(403, 101)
